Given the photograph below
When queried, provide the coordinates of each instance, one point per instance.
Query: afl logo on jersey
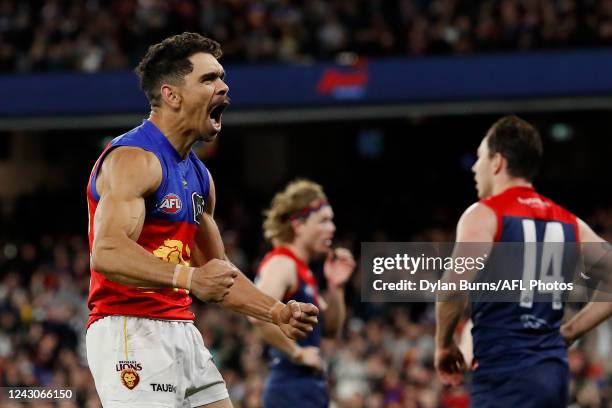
(171, 204)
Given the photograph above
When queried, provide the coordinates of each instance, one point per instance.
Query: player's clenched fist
(450, 364)
(212, 282)
(295, 319)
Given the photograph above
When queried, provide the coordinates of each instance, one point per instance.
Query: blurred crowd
(93, 35)
(384, 359)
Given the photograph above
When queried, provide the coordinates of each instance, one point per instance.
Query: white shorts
(137, 362)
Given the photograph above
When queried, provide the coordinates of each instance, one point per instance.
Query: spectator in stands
(53, 35)
(384, 360)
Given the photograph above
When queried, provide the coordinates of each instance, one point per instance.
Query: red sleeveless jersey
(307, 288)
(306, 292)
(512, 335)
(172, 216)
(525, 202)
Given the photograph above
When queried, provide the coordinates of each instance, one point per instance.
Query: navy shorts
(544, 385)
(295, 392)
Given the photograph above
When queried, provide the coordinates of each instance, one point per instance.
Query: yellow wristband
(182, 276)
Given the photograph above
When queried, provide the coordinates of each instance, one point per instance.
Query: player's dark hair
(168, 62)
(519, 143)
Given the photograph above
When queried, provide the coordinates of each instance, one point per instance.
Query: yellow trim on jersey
(125, 337)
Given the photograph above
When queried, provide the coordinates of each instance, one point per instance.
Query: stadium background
(382, 102)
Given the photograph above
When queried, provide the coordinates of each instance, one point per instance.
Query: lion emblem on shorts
(172, 251)
(130, 378)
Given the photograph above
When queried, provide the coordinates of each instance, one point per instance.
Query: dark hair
(519, 143)
(169, 62)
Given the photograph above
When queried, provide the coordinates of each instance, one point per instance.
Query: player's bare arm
(127, 176)
(294, 319)
(477, 224)
(600, 307)
(338, 268)
(276, 277)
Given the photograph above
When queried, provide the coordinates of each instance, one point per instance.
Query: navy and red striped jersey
(514, 335)
(306, 291)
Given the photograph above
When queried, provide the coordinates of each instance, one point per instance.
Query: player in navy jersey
(300, 226)
(154, 243)
(520, 348)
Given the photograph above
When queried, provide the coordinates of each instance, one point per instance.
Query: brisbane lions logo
(172, 251)
(130, 378)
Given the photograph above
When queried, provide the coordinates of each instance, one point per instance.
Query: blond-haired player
(300, 226)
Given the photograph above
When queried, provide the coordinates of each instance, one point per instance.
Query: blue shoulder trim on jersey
(137, 137)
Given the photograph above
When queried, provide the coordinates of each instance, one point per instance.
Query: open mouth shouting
(216, 113)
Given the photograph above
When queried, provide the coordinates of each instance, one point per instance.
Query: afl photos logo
(171, 204)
